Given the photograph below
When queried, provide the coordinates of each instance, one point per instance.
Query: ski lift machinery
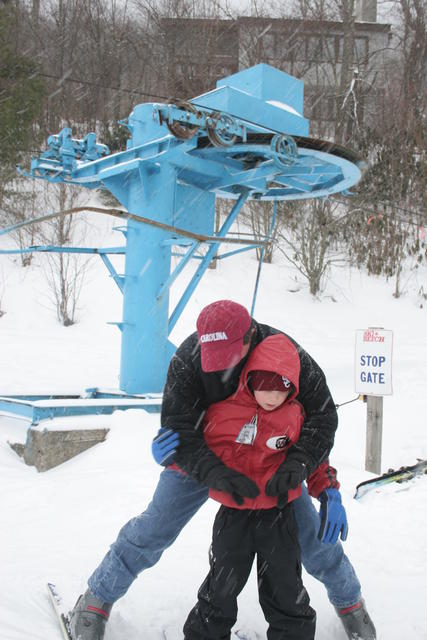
(245, 140)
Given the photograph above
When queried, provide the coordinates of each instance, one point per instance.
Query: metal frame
(246, 139)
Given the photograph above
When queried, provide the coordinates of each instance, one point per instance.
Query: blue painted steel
(228, 254)
(37, 408)
(118, 279)
(270, 85)
(261, 256)
(180, 266)
(269, 99)
(314, 173)
(264, 116)
(61, 249)
(210, 254)
(175, 180)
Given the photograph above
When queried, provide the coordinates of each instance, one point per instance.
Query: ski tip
(51, 587)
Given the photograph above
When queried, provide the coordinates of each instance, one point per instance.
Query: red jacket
(275, 431)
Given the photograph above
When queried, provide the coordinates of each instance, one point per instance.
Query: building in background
(200, 51)
(343, 65)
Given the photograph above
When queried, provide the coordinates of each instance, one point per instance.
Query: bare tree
(93, 57)
(393, 193)
(65, 272)
(309, 239)
(191, 45)
(100, 57)
(258, 216)
(21, 203)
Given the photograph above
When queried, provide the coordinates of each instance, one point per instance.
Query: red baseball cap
(221, 327)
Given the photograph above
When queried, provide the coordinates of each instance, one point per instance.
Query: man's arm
(183, 410)
(318, 431)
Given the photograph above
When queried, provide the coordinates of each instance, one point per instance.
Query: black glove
(291, 473)
(282, 500)
(238, 485)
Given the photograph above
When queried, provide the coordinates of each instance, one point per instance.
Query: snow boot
(89, 618)
(357, 623)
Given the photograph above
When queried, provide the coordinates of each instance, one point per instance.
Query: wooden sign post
(373, 379)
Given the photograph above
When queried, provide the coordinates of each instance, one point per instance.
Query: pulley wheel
(183, 130)
(219, 130)
(284, 150)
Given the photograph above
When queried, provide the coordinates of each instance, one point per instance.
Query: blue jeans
(142, 540)
(325, 562)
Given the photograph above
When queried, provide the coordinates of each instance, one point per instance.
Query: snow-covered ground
(57, 525)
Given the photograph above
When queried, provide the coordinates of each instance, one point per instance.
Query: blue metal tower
(246, 139)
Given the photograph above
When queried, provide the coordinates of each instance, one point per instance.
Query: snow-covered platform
(62, 426)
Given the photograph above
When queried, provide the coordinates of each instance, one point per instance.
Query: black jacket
(189, 391)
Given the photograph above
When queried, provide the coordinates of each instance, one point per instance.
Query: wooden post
(373, 358)
(374, 432)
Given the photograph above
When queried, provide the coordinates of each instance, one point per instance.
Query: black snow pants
(239, 535)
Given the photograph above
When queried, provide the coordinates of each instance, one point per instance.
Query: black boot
(89, 618)
(357, 623)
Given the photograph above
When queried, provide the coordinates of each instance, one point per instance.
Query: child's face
(270, 400)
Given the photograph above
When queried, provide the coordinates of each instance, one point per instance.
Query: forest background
(87, 64)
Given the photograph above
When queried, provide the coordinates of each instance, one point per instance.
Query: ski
(240, 634)
(399, 475)
(246, 635)
(57, 605)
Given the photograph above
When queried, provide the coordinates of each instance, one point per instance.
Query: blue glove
(164, 446)
(333, 520)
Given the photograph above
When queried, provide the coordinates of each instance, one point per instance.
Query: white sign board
(373, 362)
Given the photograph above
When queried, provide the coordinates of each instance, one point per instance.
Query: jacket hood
(277, 354)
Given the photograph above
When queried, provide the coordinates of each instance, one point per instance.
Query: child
(252, 432)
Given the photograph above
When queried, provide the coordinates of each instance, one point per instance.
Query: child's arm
(324, 477)
(323, 484)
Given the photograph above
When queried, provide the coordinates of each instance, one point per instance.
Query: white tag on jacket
(248, 431)
(278, 442)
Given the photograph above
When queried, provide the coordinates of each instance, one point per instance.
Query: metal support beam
(176, 162)
(261, 257)
(180, 266)
(38, 408)
(210, 254)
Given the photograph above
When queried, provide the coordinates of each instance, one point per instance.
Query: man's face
(270, 400)
(228, 372)
(245, 349)
(243, 354)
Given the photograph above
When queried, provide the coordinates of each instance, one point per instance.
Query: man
(206, 369)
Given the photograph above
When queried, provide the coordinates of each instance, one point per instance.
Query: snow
(57, 525)
(284, 106)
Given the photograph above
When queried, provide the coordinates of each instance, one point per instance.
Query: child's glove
(164, 446)
(291, 473)
(333, 519)
(234, 483)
